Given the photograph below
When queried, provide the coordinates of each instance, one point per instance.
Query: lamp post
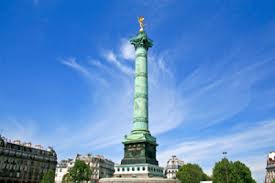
(226, 168)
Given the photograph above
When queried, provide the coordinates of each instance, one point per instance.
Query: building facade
(100, 166)
(62, 169)
(172, 167)
(270, 168)
(24, 163)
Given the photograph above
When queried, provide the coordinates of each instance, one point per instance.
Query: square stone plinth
(138, 180)
(139, 152)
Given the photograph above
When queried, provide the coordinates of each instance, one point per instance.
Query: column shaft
(141, 91)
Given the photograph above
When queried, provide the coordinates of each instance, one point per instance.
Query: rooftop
(26, 144)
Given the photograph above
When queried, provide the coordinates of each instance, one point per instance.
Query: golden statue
(141, 24)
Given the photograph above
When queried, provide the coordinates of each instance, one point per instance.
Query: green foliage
(191, 173)
(243, 172)
(273, 181)
(223, 172)
(48, 177)
(227, 171)
(206, 177)
(66, 178)
(80, 172)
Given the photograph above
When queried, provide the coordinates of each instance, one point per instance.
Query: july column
(141, 43)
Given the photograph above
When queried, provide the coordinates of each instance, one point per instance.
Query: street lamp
(226, 168)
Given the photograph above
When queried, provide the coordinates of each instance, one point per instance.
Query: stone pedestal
(142, 170)
(139, 152)
(138, 180)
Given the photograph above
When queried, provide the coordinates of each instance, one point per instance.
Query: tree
(243, 172)
(206, 177)
(48, 177)
(223, 172)
(191, 173)
(80, 172)
(66, 178)
(226, 171)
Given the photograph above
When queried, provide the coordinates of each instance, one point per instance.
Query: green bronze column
(140, 131)
(140, 122)
(140, 145)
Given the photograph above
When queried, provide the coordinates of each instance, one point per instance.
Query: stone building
(62, 169)
(24, 163)
(172, 167)
(270, 168)
(100, 166)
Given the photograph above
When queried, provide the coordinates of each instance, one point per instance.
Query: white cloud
(170, 105)
(214, 98)
(71, 62)
(202, 99)
(96, 63)
(240, 145)
(112, 58)
(114, 109)
(25, 131)
(127, 50)
(163, 66)
(166, 107)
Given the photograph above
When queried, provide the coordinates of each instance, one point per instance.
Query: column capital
(141, 40)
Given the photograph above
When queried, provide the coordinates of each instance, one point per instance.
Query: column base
(140, 152)
(142, 170)
(138, 180)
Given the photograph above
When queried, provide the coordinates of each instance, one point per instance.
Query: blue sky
(66, 77)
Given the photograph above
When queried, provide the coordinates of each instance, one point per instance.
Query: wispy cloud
(112, 58)
(247, 145)
(176, 104)
(166, 107)
(204, 98)
(127, 50)
(71, 62)
(227, 94)
(97, 63)
(249, 139)
(25, 130)
(162, 119)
